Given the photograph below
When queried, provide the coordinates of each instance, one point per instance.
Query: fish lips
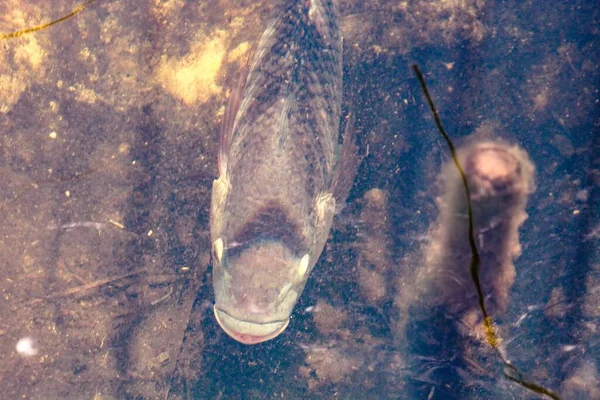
(249, 332)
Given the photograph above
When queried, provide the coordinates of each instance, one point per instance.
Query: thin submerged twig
(22, 32)
(510, 371)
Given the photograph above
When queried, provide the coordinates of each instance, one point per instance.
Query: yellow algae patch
(192, 79)
(30, 54)
(221, 111)
(124, 148)
(164, 8)
(237, 23)
(15, 16)
(240, 51)
(20, 64)
(21, 59)
(11, 88)
(85, 94)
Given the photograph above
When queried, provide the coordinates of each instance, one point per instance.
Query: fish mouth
(249, 332)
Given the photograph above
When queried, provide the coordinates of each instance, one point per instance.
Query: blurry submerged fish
(281, 171)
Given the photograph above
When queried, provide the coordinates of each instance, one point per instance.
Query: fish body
(281, 171)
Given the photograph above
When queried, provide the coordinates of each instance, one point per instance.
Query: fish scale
(292, 57)
(280, 169)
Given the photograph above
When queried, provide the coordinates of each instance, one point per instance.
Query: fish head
(256, 287)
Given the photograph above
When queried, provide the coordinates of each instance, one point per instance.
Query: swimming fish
(281, 171)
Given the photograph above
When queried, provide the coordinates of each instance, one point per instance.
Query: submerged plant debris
(108, 148)
(75, 11)
(510, 371)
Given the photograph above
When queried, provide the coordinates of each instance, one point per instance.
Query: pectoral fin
(325, 207)
(218, 201)
(228, 124)
(347, 166)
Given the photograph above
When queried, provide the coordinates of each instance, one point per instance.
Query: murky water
(108, 148)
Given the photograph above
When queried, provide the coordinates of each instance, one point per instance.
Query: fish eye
(218, 249)
(303, 267)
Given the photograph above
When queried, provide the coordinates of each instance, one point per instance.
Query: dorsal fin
(284, 120)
